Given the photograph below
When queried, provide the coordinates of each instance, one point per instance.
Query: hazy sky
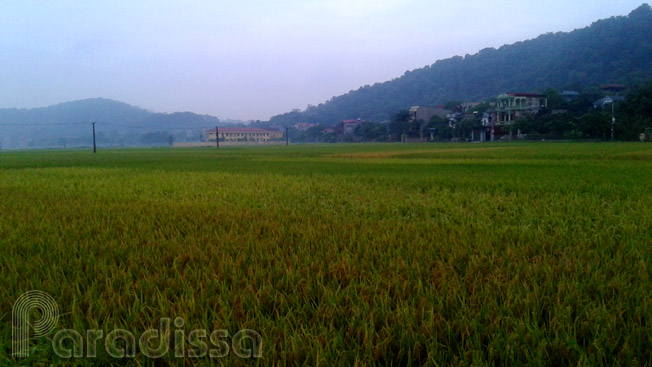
(251, 59)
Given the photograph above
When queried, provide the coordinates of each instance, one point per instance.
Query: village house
(508, 108)
(511, 106)
(607, 101)
(423, 113)
(348, 127)
(243, 134)
(275, 133)
(612, 95)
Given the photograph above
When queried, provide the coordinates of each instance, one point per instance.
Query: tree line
(573, 118)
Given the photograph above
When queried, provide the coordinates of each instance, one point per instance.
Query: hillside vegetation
(614, 50)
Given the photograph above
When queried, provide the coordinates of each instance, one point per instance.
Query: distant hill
(94, 109)
(69, 124)
(614, 50)
(177, 120)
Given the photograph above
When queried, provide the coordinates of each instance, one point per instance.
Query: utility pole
(493, 128)
(613, 118)
(614, 93)
(94, 146)
(217, 137)
(287, 136)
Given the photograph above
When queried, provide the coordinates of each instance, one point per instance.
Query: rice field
(343, 254)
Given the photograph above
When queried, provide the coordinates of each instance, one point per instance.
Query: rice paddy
(360, 254)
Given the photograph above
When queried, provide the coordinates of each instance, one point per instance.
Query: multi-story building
(423, 113)
(511, 106)
(348, 127)
(508, 108)
(243, 134)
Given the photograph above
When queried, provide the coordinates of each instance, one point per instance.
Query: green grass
(367, 254)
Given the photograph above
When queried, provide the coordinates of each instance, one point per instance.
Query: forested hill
(614, 50)
(70, 122)
(87, 110)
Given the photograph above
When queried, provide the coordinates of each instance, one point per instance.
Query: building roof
(607, 100)
(239, 130)
(534, 95)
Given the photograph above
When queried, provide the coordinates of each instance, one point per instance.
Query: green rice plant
(367, 254)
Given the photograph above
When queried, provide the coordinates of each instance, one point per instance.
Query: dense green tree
(373, 131)
(635, 114)
(443, 128)
(452, 105)
(480, 109)
(525, 125)
(555, 100)
(399, 125)
(464, 128)
(595, 125)
(157, 138)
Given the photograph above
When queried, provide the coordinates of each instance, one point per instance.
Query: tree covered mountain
(179, 120)
(87, 110)
(69, 124)
(614, 50)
